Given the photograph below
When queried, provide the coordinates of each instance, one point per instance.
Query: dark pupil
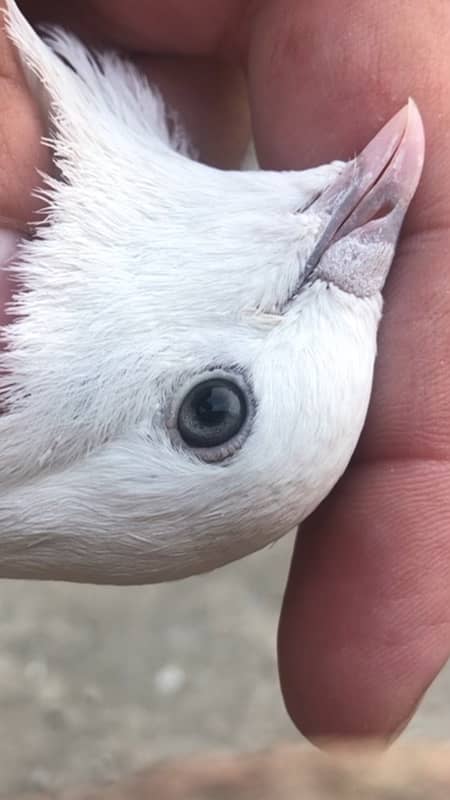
(212, 413)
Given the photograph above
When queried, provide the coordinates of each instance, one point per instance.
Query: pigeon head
(189, 359)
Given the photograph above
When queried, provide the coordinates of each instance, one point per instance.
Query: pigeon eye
(212, 413)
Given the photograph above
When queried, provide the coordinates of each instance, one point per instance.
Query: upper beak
(363, 210)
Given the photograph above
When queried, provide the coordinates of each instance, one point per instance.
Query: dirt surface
(98, 682)
(287, 772)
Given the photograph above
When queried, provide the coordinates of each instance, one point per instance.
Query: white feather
(152, 268)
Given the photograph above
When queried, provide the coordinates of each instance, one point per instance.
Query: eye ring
(211, 415)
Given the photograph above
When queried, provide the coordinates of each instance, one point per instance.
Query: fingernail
(404, 723)
(8, 245)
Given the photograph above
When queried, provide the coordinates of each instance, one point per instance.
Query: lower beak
(363, 210)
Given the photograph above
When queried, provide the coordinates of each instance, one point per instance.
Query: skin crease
(365, 625)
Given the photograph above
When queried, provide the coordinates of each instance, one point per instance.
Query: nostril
(383, 211)
(368, 211)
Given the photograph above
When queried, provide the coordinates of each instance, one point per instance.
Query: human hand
(364, 625)
(366, 620)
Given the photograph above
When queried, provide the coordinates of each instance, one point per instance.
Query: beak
(363, 210)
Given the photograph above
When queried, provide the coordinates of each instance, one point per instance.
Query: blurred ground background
(95, 681)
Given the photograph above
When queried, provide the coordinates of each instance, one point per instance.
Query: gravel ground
(95, 682)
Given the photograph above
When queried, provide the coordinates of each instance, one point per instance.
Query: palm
(365, 623)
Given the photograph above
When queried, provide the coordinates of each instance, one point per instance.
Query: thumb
(21, 130)
(21, 156)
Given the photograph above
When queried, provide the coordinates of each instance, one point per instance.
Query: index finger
(365, 625)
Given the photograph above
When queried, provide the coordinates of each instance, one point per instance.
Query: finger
(365, 627)
(365, 624)
(203, 28)
(366, 621)
(186, 49)
(324, 78)
(21, 155)
(210, 99)
(21, 129)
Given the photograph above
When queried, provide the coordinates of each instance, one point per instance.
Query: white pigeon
(190, 362)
